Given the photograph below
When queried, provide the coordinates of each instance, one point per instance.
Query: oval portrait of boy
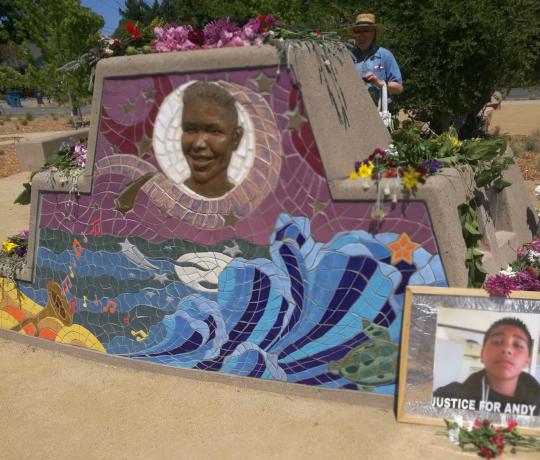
(219, 142)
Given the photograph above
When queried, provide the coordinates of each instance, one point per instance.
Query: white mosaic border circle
(168, 149)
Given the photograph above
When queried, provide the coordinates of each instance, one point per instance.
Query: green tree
(63, 31)
(136, 10)
(454, 54)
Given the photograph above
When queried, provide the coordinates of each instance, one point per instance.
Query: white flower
(508, 271)
(391, 151)
(533, 256)
(453, 434)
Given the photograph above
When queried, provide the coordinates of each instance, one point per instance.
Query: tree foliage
(63, 31)
(455, 54)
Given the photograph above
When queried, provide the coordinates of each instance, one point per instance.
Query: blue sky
(109, 10)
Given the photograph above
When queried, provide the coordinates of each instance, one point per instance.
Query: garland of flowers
(521, 275)
(487, 440)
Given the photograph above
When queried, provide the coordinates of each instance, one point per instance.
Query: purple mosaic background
(128, 111)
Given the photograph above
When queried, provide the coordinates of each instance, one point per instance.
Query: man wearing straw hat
(376, 65)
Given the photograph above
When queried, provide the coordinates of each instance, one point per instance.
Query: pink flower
(522, 251)
(251, 28)
(79, 148)
(23, 235)
(535, 245)
(220, 30)
(172, 38)
(81, 160)
(237, 41)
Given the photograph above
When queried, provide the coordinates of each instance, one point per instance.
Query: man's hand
(370, 77)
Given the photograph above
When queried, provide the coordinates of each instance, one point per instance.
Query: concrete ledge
(442, 194)
(362, 398)
(33, 154)
(506, 219)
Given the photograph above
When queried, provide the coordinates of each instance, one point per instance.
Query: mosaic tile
(273, 280)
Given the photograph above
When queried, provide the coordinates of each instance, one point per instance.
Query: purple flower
(499, 284)
(23, 235)
(219, 32)
(357, 165)
(20, 251)
(503, 284)
(535, 244)
(432, 166)
(81, 160)
(526, 281)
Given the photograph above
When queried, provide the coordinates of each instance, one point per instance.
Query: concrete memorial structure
(215, 228)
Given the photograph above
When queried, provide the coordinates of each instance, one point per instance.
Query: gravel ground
(13, 131)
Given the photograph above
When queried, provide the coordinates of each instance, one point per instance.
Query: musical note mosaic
(267, 278)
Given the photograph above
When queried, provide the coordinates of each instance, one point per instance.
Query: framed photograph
(467, 354)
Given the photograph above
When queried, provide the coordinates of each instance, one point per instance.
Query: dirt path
(517, 117)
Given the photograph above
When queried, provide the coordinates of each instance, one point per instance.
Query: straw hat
(363, 21)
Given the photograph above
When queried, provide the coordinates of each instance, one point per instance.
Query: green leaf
(24, 197)
(471, 228)
(483, 178)
(500, 184)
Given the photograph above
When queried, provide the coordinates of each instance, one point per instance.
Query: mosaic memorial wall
(263, 275)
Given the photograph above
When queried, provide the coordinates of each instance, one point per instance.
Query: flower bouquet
(521, 275)
(12, 253)
(487, 440)
(69, 162)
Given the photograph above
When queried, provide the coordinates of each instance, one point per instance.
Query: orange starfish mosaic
(402, 249)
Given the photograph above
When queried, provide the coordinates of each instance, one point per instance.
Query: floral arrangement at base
(521, 275)
(487, 440)
(388, 164)
(413, 158)
(67, 164)
(12, 253)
